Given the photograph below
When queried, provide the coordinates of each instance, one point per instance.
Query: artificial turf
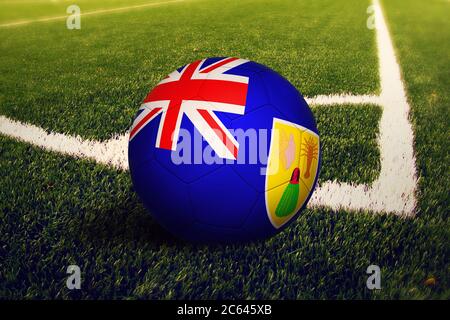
(25, 10)
(422, 39)
(90, 82)
(350, 151)
(56, 210)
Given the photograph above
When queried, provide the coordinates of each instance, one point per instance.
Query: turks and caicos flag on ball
(255, 126)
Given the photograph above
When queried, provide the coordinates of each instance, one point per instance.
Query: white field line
(342, 99)
(89, 13)
(394, 190)
(112, 152)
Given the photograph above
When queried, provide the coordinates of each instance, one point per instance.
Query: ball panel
(222, 198)
(190, 152)
(255, 67)
(141, 148)
(288, 100)
(164, 195)
(257, 225)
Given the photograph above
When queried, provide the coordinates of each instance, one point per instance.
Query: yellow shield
(291, 170)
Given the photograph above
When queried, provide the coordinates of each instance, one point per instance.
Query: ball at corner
(224, 150)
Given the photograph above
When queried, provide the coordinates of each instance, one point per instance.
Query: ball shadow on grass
(125, 222)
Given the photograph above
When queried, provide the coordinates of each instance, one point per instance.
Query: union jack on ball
(234, 111)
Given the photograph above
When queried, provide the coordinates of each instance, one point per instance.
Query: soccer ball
(224, 150)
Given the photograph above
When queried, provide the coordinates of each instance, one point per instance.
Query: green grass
(422, 39)
(76, 81)
(56, 210)
(350, 151)
(20, 10)
(68, 211)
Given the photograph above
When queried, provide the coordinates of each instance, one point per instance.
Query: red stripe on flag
(207, 90)
(169, 124)
(143, 121)
(187, 74)
(218, 65)
(219, 132)
(224, 91)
